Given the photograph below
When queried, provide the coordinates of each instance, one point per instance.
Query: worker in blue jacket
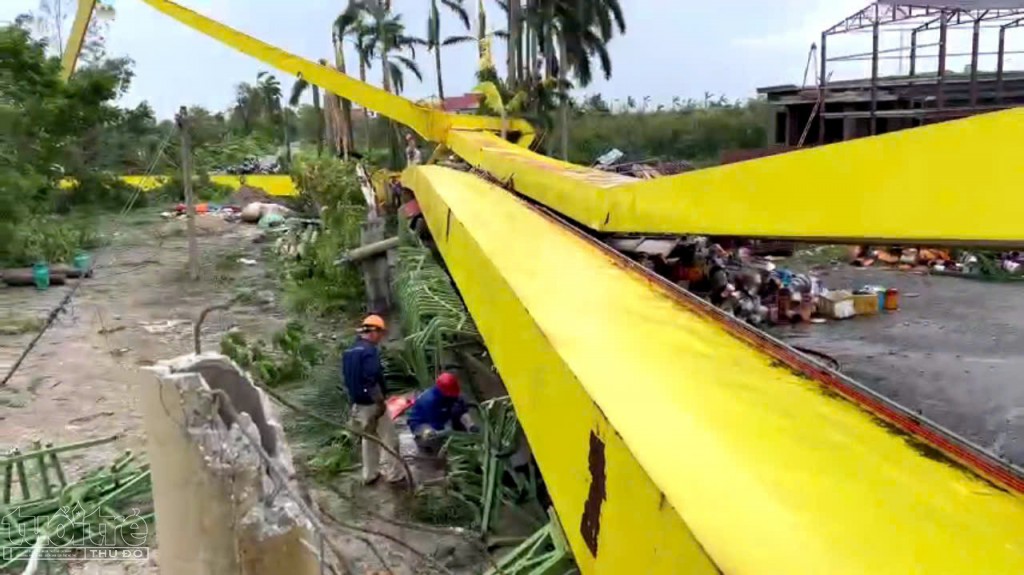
(364, 383)
(437, 411)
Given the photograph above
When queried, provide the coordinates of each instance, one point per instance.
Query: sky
(670, 49)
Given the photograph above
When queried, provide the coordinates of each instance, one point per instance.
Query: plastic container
(41, 275)
(837, 304)
(81, 262)
(892, 299)
(866, 304)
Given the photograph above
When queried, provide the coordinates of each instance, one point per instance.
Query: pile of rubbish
(253, 165)
(750, 287)
(942, 261)
(266, 214)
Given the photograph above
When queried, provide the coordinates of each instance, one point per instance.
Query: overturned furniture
(222, 474)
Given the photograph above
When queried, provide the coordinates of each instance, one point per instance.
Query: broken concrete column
(218, 508)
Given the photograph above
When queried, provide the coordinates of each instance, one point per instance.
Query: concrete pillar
(376, 272)
(849, 128)
(217, 508)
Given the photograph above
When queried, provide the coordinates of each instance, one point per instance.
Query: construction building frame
(922, 18)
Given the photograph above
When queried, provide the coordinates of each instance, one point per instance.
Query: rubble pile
(748, 286)
(942, 261)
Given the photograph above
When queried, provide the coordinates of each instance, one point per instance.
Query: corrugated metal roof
(967, 4)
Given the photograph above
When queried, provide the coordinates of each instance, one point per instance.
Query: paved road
(955, 352)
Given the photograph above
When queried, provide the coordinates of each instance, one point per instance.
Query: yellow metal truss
(705, 449)
(947, 183)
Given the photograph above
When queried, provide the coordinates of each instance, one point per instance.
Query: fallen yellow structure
(273, 184)
(672, 439)
(672, 445)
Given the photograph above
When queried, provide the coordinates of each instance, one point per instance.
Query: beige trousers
(372, 456)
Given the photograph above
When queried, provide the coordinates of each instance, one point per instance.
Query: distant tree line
(696, 131)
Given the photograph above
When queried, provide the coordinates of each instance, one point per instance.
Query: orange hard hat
(448, 384)
(374, 322)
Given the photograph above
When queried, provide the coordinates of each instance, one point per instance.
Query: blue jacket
(361, 371)
(436, 410)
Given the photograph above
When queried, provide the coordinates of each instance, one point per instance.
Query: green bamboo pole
(18, 456)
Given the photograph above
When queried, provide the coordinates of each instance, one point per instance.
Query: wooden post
(190, 203)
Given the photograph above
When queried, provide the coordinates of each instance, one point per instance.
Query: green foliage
(332, 450)
(47, 238)
(321, 393)
(50, 130)
(433, 315)
(100, 191)
(289, 358)
(204, 189)
(315, 284)
(478, 470)
(698, 133)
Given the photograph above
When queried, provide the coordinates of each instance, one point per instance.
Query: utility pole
(190, 203)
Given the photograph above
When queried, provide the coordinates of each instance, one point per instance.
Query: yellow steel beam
(428, 122)
(275, 185)
(77, 38)
(948, 183)
(669, 442)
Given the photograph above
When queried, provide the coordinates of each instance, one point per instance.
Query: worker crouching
(437, 412)
(364, 382)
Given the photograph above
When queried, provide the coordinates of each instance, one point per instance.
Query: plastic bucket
(82, 262)
(41, 275)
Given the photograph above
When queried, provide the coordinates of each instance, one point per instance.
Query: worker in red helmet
(363, 377)
(437, 411)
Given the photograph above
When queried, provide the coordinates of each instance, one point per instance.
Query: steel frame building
(834, 111)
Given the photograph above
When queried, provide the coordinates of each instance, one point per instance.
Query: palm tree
(434, 41)
(583, 31)
(350, 24)
(270, 90)
(386, 39)
(298, 89)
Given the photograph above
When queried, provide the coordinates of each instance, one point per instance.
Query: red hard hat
(448, 384)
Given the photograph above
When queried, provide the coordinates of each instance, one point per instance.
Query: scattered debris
(996, 265)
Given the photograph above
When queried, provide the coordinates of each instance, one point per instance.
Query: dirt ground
(954, 352)
(78, 383)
